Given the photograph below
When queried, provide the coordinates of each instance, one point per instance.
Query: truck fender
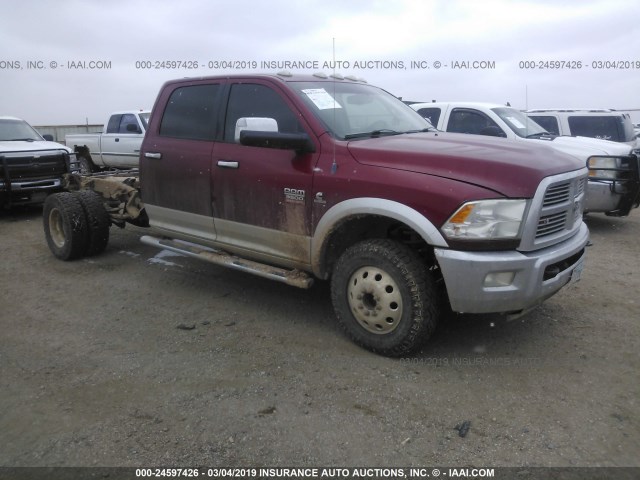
(370, 206)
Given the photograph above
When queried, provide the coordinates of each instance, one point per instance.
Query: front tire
(65, 226)
(384, 297)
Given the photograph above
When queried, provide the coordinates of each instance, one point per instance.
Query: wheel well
(83, 151)
(363, 227)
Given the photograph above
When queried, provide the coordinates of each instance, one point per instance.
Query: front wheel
(384, 297)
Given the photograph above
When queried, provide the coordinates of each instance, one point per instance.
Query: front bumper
(537, 275)
(614, 197)
(603, 197)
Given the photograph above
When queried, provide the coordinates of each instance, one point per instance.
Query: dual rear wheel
(76, 224)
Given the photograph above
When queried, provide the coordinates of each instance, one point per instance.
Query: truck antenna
(526, 106)
(334, 165)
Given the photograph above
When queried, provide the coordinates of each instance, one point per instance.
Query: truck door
(120, 145)
(262, 197)
(175, 164)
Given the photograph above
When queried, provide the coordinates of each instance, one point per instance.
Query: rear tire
(384, 297)
(65, 226)
(98, 221)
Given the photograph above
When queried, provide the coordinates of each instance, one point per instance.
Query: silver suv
(596, 123)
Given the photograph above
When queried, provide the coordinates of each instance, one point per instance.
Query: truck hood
(508, 167)
(21, 146)
(584, 147)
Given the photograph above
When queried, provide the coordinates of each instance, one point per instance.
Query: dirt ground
(139, 358)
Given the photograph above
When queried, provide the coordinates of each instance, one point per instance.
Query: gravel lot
(138, 358)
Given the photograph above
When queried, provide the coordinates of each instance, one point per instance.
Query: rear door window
(189, 114)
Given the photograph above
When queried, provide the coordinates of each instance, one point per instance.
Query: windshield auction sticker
(321, 98)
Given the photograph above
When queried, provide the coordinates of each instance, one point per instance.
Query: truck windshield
(353, 110)
(517, 121)
(15, 130)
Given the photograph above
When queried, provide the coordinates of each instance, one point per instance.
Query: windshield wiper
(372, 134)
(540, 134)
(428, 129)
(22, 140)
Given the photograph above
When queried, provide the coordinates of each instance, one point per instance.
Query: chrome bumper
(537, 275)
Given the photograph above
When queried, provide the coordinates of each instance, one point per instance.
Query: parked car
(614, 179)
(595, 123)
(31, 167)
(117, 147)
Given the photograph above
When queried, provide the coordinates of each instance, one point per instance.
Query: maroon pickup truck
(302, 177)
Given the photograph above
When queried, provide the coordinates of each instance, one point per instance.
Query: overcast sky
(47, 48)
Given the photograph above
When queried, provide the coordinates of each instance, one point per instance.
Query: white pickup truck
(117, 147)
(31, 166)
(614, 182)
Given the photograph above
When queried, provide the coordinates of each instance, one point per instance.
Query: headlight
(74, 165)
(486, 220)
(603, 167)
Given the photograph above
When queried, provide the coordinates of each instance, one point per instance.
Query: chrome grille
(557, 194)
(549, 224)
(556, 211)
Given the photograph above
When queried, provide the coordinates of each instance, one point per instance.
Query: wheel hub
(375, 300)
(55, 227)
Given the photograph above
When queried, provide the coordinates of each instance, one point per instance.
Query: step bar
(295, 278)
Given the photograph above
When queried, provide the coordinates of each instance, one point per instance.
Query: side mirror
(133, 128)
(258, 124)
(263, 132)
(48, 137)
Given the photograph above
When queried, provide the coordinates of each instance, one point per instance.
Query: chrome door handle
(228, 164)
(157, 156)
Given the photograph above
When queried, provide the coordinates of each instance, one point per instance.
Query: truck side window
(467, 121)
(251, 100)
(432, 114)
(128, 119)
(190, 114)
(549, 123)
(114, 124)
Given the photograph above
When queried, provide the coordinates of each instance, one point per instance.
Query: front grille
(557, 194)
(550, 224)
(556, 210)
(561, 207)
(28, 165)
